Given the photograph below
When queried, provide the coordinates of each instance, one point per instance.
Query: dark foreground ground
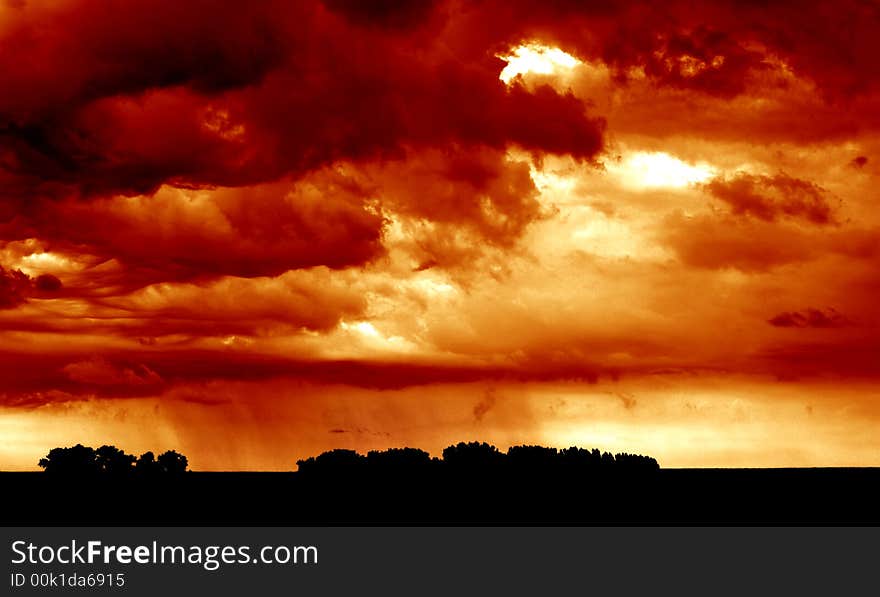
(668, 496)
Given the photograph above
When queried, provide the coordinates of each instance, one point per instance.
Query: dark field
(825, 496)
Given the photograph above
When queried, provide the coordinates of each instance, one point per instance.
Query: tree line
(477, 458)
(82, 460)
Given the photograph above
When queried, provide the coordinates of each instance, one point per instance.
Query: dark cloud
(113, 108)
(678, 44)
(720, 241)
(47, 283)
(704, 60)
(98, 371)
(263, 230)
(125, 99)
(810, 318)
(393, 14)
(745, 244)
(458, 203)
(52, 377)
(359, 431)
(128, 374)
(835, 45)
(854, 358)
(771, 197)
(326, 218)
(60, 56)
(311, 300)
(485, 404)
(16, 287)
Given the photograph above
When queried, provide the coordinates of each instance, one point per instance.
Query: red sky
(254, 233)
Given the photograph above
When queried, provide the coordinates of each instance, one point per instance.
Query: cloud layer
(199, 202)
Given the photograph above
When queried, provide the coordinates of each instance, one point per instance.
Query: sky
(252, 233)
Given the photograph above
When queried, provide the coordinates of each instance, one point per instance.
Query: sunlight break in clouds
(659, 169)
(535, 58)
(364, 327)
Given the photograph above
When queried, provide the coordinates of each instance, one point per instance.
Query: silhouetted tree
(109, 460)
(112, 460)
(475, 482)
(76, 460)
(401, 458)
(533, 457)
(400, 465)
(607, 460)
(636, 462)
(172, 463)
(339, 464)
(472, 455)
(146, 464)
